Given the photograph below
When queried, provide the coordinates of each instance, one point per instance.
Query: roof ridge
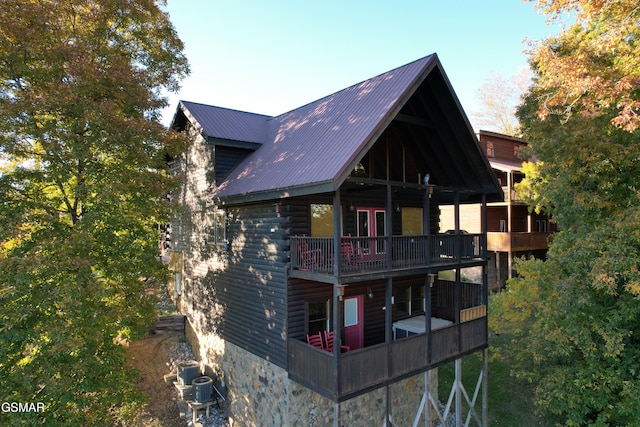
(432, 55)
(225, 108)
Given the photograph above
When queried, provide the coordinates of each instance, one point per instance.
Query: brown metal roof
(314, 144)
(229, 124)
(312, 149)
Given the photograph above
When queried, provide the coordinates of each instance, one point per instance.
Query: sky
(270, 57)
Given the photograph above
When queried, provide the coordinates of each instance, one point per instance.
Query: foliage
(574, 317)
(82, 175)
(592, 67)
(499, 97)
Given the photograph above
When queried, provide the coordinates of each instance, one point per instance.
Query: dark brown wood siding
(227, 158)
(252, 287)
(301, 292)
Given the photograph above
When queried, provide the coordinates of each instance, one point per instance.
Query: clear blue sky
(269, 57)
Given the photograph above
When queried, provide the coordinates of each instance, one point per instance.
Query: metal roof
(229, 124)
(314, 144)
(505, 166)
(313, 149)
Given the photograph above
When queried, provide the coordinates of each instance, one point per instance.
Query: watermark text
(15, 407)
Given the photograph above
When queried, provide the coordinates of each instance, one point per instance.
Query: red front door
(354, 322)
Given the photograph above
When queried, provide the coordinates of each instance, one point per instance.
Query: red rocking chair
(316, 340)
(328, 339)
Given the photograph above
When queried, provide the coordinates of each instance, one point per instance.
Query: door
(371, 223)
(354, 322)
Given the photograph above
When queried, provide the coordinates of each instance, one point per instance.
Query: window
(541, 225)
(503, 225)
(516, 150)
(217, 233)
(411, 221)
(321, 220)
(409, 301)
(318, 317)
(490, 151)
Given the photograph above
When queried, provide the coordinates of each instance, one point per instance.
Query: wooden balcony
(517, 242)
(345, 375)
(359, 255)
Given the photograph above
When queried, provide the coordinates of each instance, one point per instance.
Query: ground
(149, 355)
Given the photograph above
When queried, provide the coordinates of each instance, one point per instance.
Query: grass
(509, 398)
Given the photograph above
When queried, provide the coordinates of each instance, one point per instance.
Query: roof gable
(224, 123)
(314, 148)
(310, 148)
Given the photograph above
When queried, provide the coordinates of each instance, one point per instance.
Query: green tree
(82, 175)
(574, 318)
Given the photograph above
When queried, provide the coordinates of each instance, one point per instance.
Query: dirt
(149, 356)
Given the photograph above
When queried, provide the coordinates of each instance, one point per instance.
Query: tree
(81, 183)
(499, 98)
(574, 317)
(594, 65)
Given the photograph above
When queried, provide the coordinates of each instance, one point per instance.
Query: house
(321, 226)
(512, 231)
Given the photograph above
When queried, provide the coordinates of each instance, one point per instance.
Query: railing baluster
(361, 254)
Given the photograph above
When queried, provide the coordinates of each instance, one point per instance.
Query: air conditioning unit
(187, 371)
(202, 389)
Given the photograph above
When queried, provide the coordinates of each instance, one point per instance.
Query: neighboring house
(513, 231)
(325, 219)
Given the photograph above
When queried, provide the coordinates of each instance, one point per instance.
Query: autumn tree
(82, 175)
(499, 97)
(574, 318)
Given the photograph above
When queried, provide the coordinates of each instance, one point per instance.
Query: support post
(458, 391)
(485, 387)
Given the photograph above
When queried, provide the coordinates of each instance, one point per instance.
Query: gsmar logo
(22, 407)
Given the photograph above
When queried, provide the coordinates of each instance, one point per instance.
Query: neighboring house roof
(505, 166)
(314, 148)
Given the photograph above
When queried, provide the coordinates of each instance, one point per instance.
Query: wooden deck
(357, 372)
(361, 255)
(516, 242)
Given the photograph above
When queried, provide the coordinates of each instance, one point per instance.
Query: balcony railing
(514, 195)
(517, 241)
(371, 367)
(364, 254)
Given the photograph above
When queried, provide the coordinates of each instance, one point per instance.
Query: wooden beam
(414, 120)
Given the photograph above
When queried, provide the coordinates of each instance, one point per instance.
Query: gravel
(179, 353)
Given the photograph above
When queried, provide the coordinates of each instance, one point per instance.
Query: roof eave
(275, 194)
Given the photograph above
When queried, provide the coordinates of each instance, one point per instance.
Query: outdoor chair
(328, 340)
(316, 340)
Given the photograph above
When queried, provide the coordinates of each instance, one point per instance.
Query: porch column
(426, 223)
(484, 252)
(388, 228)
(458, 250)
(427, 312)
(509, 227)
(338, 290)
(337, 222)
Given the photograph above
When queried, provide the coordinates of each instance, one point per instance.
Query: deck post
(426, 224)
(485, 387)
(337, 222)
(458, 391)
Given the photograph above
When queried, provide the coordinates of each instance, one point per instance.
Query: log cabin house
(512, 229)
(320, 226)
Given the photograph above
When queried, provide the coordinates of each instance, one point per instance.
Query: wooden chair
(316, 340)
(310, 259)
(350, 255)
(328, 340)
